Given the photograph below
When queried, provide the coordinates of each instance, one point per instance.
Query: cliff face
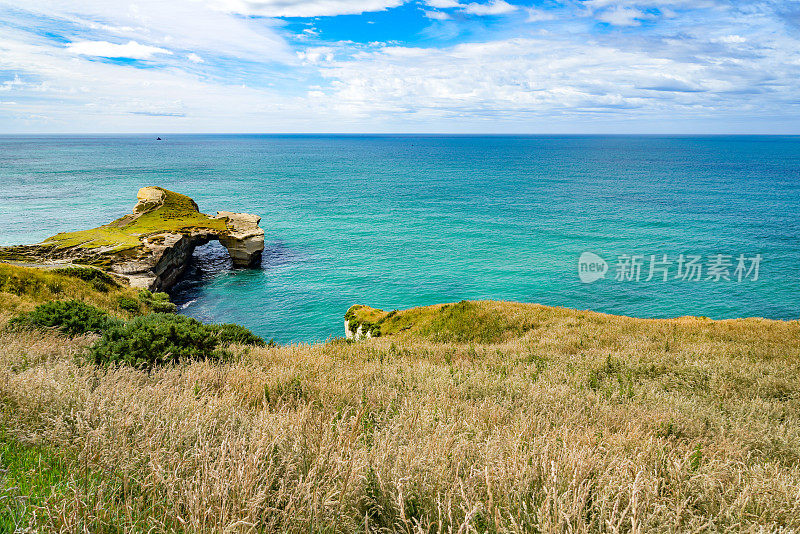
(357, 333)
(152, 245)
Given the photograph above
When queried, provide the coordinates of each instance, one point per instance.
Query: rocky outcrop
(152, 245)
(357, 332)
(244, 239)
(364, 322)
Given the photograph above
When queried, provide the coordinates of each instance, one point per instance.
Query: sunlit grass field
(471, 417)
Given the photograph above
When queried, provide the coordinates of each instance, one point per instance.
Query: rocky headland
(151, 246)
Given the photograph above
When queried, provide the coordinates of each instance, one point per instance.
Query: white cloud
(538, 15)
(621, 16)
(633, 12)
(660, 4)
(187, 25)
(59, 91)
(304, 8)
(732, 39)
(494, 7)
(559, 78)
(131, 49)
(442, 4)
(732, 64)
(8, 85)
(437, 15)
(315, 55)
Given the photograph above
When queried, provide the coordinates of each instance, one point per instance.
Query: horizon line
(397, 134)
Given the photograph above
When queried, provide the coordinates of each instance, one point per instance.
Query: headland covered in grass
(465, 417)
(158, 211)
(151, 246)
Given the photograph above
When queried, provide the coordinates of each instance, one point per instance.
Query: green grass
(178, 213)
(29, 476)
(460, 322)
(34, 477)
(104, 236)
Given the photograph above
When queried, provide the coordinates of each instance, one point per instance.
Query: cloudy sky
(495, 66)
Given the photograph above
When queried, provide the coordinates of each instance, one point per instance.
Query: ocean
(673, 225)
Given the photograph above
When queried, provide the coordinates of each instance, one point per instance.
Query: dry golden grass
(578, 422)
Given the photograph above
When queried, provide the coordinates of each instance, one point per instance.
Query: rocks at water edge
(152, 245)
(243, 239)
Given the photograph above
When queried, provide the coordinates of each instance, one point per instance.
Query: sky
(400, 66)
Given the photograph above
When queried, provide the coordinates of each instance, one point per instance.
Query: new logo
(591, 267)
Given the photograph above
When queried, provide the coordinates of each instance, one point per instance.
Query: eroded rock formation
(152, 245)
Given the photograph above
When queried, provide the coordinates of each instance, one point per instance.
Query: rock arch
(152, 245)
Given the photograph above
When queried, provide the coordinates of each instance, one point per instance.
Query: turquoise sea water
(395, 222)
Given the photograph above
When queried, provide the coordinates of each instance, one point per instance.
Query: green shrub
(157, 302)
(161, 338)
(234, 333)
(156, 339)
(55, 287)
(129, 305)
(100, 280)
(70, 317)
(99, 286)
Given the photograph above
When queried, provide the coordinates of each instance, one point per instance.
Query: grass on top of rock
(460, 322)
(178, 213)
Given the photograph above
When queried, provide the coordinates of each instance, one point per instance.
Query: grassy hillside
(22, 288)
(470, 417)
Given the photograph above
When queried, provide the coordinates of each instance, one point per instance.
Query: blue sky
(496, 66)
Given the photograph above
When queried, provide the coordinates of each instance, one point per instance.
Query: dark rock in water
(151, 246)
(158, 139)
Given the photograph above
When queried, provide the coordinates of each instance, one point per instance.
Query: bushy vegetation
(159, 339)
(70, 317)
(99, 280)
(129, 304)
(157, 302)
(143, 302)
(230, 333)
(35, 283)
(149, 340)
